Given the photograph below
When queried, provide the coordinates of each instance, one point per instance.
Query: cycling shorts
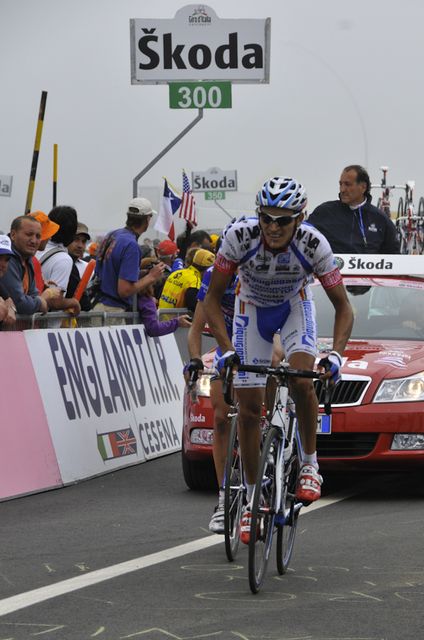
(254, 329)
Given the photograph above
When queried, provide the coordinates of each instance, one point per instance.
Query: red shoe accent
(245, 521)
(309, 484)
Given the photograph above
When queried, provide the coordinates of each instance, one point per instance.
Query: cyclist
(219, 406)
(276, 254)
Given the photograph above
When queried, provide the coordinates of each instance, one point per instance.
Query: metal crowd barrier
(85, 319)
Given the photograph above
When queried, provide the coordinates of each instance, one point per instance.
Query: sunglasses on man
(281, 221)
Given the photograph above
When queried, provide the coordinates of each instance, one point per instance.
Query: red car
(378, 407)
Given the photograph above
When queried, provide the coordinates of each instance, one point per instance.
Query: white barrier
(112, 396)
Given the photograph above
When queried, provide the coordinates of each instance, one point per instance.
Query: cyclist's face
(278, 236)
(351, 192)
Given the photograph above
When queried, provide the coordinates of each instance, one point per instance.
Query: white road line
(29, 598)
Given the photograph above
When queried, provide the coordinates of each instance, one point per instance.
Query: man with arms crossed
(276, 254)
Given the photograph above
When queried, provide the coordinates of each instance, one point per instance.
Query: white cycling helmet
(285, 193)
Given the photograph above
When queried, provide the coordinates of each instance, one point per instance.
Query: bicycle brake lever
(327, 398)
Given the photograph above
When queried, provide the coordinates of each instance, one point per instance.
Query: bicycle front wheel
(234, 493)
(289, 514)
(263, 511)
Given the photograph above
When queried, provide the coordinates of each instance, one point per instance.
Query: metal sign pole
(164, 151)
(222, 209)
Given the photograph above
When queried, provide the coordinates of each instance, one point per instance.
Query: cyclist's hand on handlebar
(192, 368)
(331, 365)
(228, 360)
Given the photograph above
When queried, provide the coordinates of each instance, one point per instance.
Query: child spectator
(147, 308)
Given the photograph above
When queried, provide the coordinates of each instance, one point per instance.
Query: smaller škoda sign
(214, 179)
(199, 46)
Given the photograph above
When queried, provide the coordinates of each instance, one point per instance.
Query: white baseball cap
(5, 246)
(141, 207)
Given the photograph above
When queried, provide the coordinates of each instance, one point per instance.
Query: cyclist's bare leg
(271, 384)
(250, 409)
(221, 429)
(303, 393)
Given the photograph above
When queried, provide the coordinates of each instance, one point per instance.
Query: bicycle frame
(283, 419)
(384, 200)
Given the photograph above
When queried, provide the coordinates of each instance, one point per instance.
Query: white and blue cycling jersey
(227, 302)
(269, 278)
(273, 295)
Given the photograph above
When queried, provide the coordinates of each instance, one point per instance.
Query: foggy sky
(345, 87)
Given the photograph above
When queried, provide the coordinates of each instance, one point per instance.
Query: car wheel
(199, 474)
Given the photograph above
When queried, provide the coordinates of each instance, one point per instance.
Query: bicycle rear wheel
(287, 518)
(263, 511)
(234, 491)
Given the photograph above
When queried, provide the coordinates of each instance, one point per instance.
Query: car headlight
(402, 389)
(407, 442)
(204, 385)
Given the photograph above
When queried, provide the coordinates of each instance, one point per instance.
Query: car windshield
(382, 309)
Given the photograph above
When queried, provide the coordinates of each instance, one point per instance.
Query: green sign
(214, 195)
(200, 95)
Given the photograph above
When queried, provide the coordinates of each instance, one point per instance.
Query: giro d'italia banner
(112, 396)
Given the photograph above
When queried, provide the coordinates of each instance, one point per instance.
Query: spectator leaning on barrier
(48, 229)
(146, 304)
(19, 281)
(56, 263)
(76, 250)
(181, 288)
(118, 261)
(7, 306)
(352, 224)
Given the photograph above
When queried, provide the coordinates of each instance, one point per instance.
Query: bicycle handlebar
(283, 371)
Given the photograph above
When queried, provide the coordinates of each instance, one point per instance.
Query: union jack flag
(188, 205)
(116, 444)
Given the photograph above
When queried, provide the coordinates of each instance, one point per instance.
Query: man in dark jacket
(25, 234)
(352, 224)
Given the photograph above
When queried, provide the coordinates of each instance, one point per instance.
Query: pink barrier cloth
(27, 457)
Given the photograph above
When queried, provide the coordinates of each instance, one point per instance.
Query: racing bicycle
(383, 202)
(275, 508)
(409, 225)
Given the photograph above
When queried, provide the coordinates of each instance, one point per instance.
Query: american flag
(188, 206)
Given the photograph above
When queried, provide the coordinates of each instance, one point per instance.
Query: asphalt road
(357, 572)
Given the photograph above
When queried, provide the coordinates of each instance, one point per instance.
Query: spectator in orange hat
(56, 263)
(48, 229)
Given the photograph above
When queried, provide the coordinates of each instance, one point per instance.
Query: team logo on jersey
(372, 227)
(283, 258)
(262, 267)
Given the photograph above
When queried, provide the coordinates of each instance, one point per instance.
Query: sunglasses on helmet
(281, 221)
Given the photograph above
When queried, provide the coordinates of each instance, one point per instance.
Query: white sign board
(6, 185)
(111, 396)
(375, 264)
(214, 179)
(196, 45)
